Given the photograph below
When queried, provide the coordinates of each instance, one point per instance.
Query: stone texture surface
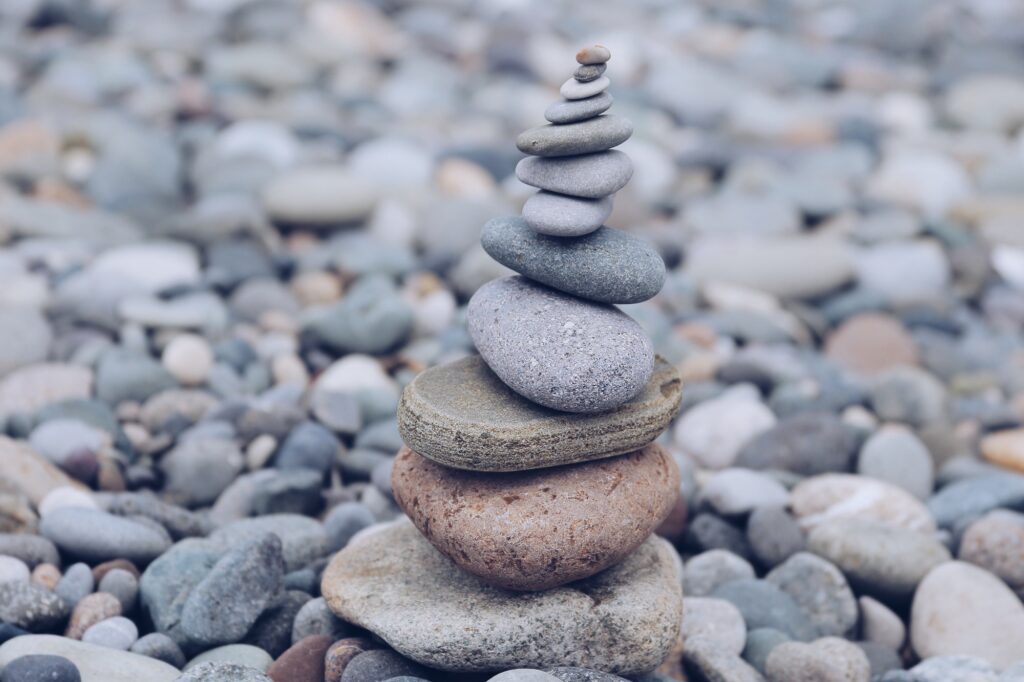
(960, 609)
(590, 175)
(607, 265)
(461, 415)
(560, 215)
(538, 529)
(623, 620)
(592, 135)
(556, 350)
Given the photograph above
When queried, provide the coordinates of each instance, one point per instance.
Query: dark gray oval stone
(41, 667)
(557, 350)
(560, 215)
(592, 135)
(589, 72)
(608, 265)
(590, 175)
(570, 111)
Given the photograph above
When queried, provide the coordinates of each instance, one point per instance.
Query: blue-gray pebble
(557, 350)
(607, 265)
(308, 446)
(560, 215)
(570, 111)
(584, 137)
(764, 605)
(40, 668)
(589, 175)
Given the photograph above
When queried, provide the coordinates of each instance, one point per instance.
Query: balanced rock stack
(530, 475)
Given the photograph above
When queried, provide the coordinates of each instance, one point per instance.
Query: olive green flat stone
(461, 415)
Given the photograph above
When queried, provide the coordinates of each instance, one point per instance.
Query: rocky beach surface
(352, 341)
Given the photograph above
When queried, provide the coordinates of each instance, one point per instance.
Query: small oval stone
(594, 54)
(574, 89)
(538, 529)
(836, 496)
(557, 350)
(607, 265)
(41, 667)
(560, 215)
(571, 111)
(585, 73)
(589, 175)
(592, 135)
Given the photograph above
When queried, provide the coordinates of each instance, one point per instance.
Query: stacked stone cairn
(531, 470)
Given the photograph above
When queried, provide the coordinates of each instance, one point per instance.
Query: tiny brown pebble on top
(595, 54)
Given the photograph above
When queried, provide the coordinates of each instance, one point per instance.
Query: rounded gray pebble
(161, 647)
(97, 536)
(225, 605)
(344, 521)
(213, 671)
(574, 89)
(591, 175)
(774, 535)
(556, 350)
(75, 584)
(760, 642)
(570, 111)
(607, 265)
(560, 215)
(588, 72)
(123, 585)
(764, 605)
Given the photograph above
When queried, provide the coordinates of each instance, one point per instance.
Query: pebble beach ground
(233, 233)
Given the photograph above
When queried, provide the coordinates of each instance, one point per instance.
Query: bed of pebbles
(233, 233)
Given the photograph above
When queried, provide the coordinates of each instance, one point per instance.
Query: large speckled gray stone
(557, 350)
(394, 583)
(223, 607)
(592, 135)
(31, 606)
(570, 111)
(574, 89)
(560, 215)
(589, 175)
(461, 415)
(213, 671)
(609, 265)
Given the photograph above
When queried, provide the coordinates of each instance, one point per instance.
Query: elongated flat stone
(574, 89)
(558, 350)
(570, 111)
(608, 265)
(590, 175)
(461, 415)
(392, 582)
(561, 215)
(593, 135)
(534, 530)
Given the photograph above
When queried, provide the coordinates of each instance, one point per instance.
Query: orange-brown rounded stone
(533, 530)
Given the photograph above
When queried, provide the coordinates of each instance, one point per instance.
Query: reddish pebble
(303, 662)
(101, 570)
(595, 54)
(340, 653)
(674, 526)
(46, 575)
(90, 610)
(870, 343)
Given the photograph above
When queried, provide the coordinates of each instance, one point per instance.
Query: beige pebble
(316, 287)
(258, 453)
(188, 357)
(46, 575)
(594, 54)
(289, 369)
